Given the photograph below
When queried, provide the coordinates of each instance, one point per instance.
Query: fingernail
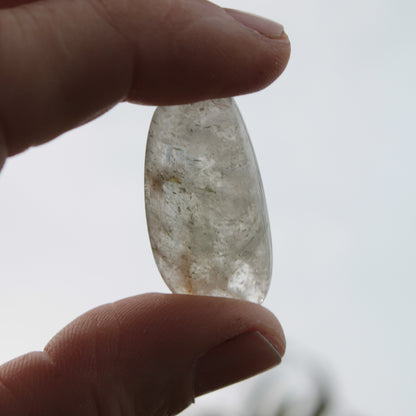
(266, 27)
(234, 360)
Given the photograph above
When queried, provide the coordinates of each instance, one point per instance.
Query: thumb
(66, 62)
(146, 355)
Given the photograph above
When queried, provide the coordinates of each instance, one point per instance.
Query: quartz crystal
(205, 205)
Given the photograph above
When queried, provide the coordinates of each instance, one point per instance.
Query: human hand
(64, 63)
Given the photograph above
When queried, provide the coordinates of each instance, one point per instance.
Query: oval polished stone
(205, 205)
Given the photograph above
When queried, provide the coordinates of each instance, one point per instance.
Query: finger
(6, 4)
(65, 62)
(147, 355)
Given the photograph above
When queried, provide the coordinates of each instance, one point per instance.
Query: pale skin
(64, 63)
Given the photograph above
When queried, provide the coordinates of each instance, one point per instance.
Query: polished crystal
(205, 205)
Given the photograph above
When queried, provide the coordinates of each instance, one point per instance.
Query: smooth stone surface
(205, 205)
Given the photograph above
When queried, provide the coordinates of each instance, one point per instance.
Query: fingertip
(237, 359)
(205, 321)
(209, 52)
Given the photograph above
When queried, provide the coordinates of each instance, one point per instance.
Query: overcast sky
(335, 141)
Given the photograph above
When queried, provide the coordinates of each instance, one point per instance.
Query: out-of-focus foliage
(296, 388)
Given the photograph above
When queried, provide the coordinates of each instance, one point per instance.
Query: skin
(64, 63)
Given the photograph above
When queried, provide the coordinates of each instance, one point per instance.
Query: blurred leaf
(283, 410)
(322, 407)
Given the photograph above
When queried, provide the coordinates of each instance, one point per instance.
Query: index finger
(65, 62)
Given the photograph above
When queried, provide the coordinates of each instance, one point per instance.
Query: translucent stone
(205, 205)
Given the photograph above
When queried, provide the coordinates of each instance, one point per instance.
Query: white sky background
(335, 141)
